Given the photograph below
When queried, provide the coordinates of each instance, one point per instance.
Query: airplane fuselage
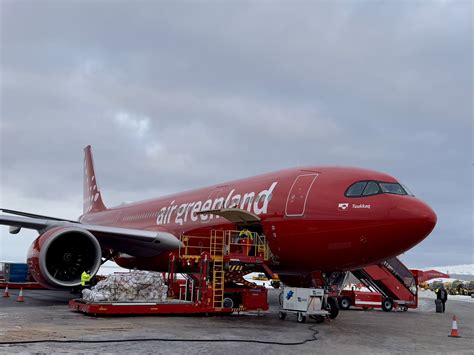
(309, 222)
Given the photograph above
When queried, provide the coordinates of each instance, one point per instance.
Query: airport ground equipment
(304, 302)
(396, 284)
(14, 272)
(212, 283)
(16, 276)
(361, 299)
(456, 287)
(468, 289)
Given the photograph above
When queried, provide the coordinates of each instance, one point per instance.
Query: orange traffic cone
(20, 297)
(5, 293)
(454, 329)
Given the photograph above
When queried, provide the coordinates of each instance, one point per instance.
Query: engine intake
(58, 257)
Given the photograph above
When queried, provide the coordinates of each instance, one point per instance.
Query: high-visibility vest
(246, 233)
(85, 278)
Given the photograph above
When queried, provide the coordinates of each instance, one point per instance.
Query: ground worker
(85, 279)
(442, 295)
(246, 239)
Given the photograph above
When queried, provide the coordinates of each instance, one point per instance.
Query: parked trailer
(23, 285)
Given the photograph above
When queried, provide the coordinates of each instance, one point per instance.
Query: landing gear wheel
(300, 317)
(228, 303)
(387, 304)
(282, 315)
(345, 303)
(332, 307)
(403, 308)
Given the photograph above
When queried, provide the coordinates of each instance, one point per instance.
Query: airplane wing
(134, 242)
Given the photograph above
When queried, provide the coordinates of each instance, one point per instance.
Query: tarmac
(45, 316)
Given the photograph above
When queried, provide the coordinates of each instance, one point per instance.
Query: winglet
(92, 196)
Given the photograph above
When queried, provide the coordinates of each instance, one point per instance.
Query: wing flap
(234, 215)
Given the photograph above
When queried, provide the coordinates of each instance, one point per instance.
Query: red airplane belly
(305, 246)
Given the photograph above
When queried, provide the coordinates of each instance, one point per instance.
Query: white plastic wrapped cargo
(136, 286)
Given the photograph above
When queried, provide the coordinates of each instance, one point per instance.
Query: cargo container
(14, 272)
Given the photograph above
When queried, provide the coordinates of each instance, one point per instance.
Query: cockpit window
(372, 188)
(369, 188)
(407, 190)
(392, 188)
(356, 189)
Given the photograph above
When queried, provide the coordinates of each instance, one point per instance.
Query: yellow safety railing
(233, 242)
(249, 244)
(192, 246)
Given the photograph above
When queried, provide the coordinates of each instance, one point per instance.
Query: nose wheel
(332, 307)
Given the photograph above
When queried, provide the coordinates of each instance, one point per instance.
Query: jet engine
(59, 256)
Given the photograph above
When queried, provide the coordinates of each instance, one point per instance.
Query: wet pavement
(45, 316)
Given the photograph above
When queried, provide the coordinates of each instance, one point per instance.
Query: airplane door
(296, 202)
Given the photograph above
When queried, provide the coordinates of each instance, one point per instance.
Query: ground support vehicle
(361, 299)
(456, 287)
(366, 300)
(392, 286)
(468, 289)
(307, 302)
(213, 280)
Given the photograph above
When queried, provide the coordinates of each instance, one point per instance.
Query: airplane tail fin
(92, 196)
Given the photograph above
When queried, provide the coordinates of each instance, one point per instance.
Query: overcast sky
(176, 95)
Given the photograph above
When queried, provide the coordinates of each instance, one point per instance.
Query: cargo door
(298, 195)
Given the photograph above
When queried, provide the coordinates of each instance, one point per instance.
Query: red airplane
(317, 218)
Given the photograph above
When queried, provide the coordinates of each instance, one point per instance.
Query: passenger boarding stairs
(392, 279)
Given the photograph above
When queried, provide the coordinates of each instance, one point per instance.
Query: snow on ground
(430, 294)
(443, 280)
(464, 269)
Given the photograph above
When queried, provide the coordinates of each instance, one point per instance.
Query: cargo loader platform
(213, 269)
(141, 308)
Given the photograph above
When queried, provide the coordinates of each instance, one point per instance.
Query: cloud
(134, 124)
(174, 96)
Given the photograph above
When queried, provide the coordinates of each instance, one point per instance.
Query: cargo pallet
(212, 268)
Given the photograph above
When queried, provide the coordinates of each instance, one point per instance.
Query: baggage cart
(304, 302)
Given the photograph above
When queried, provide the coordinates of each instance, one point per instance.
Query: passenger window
(356, 189)
(372, 188)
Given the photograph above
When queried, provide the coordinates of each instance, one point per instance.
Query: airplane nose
(430, 218)
(415, 220)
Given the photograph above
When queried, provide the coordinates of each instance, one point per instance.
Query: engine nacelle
(59, 256)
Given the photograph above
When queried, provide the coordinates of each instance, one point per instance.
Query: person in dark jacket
(442, 295)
